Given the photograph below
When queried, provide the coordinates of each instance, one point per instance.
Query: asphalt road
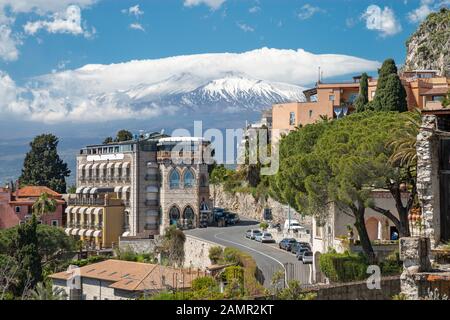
(269, 258)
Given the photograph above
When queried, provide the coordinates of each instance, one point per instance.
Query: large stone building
(149, 183)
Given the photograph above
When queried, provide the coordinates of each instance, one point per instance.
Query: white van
(293, 225)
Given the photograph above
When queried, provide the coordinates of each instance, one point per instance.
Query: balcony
(152, 177)
(85, 202)
(167, 156)
(151, 203)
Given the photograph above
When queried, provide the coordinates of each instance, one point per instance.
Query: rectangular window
(310, 113)
(55, 223)
(331, 97)
(292, 119)
(17, 209)
(373, 94)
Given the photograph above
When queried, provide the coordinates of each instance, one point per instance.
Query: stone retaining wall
(390, 286)
(196, 252)
(138, 245)
(246, 205)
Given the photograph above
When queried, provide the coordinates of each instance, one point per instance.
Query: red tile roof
(36, 191)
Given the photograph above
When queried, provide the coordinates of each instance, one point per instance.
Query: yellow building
(98, 222)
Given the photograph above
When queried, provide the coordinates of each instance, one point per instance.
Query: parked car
(300, 253)
(305, 245)
(232, 218)
(295, 247)
(286, 243)
(292, 225)
(307, 257)
(251, 234)
(264, 237)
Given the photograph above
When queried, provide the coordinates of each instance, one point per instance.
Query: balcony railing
(151, 177)
(151, 203)
(85, 202)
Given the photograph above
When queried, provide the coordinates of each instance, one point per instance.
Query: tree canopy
(337, 162)
(363, 97)
(43, 166)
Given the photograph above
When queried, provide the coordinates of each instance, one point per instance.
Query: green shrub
(215, 254)
(392, 264)
(264, 225)
(343, 267)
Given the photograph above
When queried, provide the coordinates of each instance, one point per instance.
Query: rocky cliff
(247, 206)
(429, 47)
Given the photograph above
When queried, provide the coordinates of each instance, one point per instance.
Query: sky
(64, 64)
(45, 36)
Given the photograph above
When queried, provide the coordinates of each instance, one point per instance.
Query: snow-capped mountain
(232, 93)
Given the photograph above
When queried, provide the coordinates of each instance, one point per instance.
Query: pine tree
(124, 135)
(27, 255)
(42, 165)
(363, 97)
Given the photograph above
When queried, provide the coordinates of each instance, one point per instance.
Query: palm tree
(404, 145)
(44, 204)
(44, 291)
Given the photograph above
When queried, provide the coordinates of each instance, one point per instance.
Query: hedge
(344, 267)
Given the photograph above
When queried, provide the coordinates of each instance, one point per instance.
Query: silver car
(251, 234)
(307, 257)
(264, 237)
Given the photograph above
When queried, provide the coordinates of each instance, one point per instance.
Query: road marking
(259, 252)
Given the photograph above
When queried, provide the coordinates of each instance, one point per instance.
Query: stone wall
(196, 252)
(247, 206)
(137, 245)
(390, 286)
(427, 177)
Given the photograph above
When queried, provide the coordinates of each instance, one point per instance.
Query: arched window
(188, 213)
(189, 179)
(174, 215)
(174, 179)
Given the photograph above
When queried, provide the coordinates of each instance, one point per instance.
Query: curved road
(269, 258)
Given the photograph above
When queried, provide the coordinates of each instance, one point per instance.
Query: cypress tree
(390, 94)
(43, 166)
(363, 97)
(27, 256)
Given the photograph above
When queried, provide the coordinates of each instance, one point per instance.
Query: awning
(95, 165)
(68, 209)
(126, 189)
(118, 189)
(74, 232)
(89, 233)
(97, 233)
(102, 165)
(81, 167)
(81, 232)
(98, 211)
(76, 209)
(110, 165)
(79, 190)
(126, 165)
(88, 166)
(126, 234)
(86, 190)
(118, 165)
(90, 210)
(93, 190)
(67, 231)
(83, 210)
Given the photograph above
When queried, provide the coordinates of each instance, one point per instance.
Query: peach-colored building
(425, 90)
(16, 207)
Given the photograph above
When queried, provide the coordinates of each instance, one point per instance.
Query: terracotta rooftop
(135, 276)
(35, 191)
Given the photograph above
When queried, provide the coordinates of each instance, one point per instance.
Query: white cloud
(245, 27)
(307, 11)
(137, 26)
(43, 7)
(419, 14)
(67, 22)
(90, 94)
(8, 44)
(134, 10)
(213, 4)
(254, 9)
(382, 20)
(426, 7)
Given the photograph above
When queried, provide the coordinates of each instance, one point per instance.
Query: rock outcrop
(429, 47)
